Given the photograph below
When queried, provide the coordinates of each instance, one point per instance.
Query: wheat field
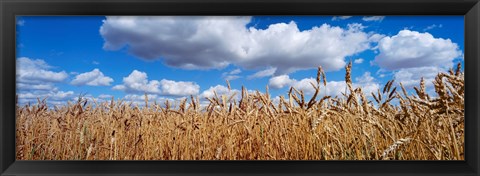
(354, 126)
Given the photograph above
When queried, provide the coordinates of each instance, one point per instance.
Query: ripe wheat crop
(354, 126)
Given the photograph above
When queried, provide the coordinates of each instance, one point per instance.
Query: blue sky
(174, 57)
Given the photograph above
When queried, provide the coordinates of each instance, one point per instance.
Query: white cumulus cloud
(281, 81)
(37, 71)
(36, 79)
(186, 42)
(410, 49)
(92, 78)
(178, 88)
(215, 42)
(137, 82)
(358, 61)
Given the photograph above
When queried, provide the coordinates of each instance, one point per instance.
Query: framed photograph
(239, 87)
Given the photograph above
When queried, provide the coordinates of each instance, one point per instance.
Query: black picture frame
(10, 8)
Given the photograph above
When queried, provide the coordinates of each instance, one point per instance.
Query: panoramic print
(240, 88)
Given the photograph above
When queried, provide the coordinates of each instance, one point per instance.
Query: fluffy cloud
(304, 85)
(137, 82)
(215, 42)
(373, 18)
(263, 73)
(93, 78)
(35, 79)
(178, 88)
(281, 81)
(286, 48)
(37, 71)
(358, 61)
(185, 42)
(410, 49)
